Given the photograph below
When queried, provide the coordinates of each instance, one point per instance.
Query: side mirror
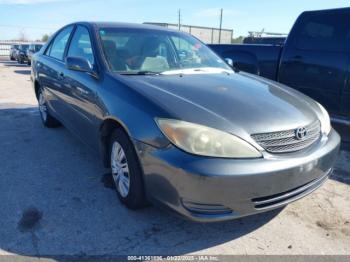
(229, 61)
(80, 64)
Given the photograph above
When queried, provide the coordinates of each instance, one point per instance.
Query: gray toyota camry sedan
(177, 125)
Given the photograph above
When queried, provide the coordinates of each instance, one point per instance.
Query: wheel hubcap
(42, 107)
(120, 169)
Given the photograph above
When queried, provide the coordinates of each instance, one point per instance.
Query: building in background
(208, 35)
(5, 46)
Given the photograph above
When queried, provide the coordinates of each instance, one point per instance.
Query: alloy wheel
(42, 107)
(120, 169)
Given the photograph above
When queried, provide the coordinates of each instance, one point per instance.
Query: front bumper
(211, 189)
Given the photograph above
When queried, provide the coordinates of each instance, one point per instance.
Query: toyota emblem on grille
(300, 133)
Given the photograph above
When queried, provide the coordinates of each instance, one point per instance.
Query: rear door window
(323, 32)
(59, 44)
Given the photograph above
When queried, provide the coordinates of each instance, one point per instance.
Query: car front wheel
(126, 171)
(46, 118)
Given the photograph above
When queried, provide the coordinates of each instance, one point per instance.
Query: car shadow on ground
(56, 201)
(12, 63)
(22, 72)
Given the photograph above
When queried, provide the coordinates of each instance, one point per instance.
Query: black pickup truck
(315, 59)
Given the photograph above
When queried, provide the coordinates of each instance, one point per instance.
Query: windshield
(132, 51)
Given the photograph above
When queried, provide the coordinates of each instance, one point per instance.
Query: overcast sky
(37, 17)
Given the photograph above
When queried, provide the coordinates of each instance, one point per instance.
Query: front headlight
(325, 120)
(205, 141)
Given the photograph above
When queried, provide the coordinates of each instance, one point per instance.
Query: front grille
(287, 141)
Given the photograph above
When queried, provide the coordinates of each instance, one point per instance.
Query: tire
(47, 119)
(125, 165)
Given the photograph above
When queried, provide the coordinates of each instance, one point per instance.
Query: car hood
(241, 103)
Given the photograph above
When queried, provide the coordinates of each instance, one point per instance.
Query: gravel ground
(57, 199)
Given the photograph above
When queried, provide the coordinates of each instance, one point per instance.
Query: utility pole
(221, 11)
(179, 13)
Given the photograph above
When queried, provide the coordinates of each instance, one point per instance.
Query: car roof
(333, 10)
(125, 25)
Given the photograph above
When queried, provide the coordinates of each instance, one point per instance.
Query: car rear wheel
(126, 171)
(46, 118)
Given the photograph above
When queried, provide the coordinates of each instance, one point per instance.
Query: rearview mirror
(80, 64)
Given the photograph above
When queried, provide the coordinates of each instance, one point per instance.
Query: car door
(51, 73)
(51, 69)
(81, 88)
(315, 61)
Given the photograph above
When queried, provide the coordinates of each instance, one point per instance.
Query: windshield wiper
(144, 72)
(197, 70)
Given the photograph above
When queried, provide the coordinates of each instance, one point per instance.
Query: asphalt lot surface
(57, 199)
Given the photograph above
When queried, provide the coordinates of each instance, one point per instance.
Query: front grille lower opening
(206, 209)
(259, 199)
(275, 199)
